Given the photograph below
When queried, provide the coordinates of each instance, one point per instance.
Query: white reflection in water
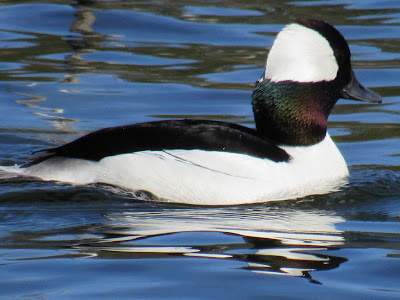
(274, 241)
(290, 227)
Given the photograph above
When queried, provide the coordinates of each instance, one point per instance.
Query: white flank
(300, 54)
(207, 177)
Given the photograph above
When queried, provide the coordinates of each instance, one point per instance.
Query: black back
(168, 135)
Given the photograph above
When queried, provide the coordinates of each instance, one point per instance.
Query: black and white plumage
(289, 154)
(168, 135)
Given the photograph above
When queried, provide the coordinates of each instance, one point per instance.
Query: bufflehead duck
(289, 154)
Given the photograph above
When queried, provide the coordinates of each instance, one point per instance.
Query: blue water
(66, 70)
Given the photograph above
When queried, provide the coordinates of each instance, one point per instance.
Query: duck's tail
(38, 157)
(9, 172)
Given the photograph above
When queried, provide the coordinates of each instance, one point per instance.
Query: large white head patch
(301, 54)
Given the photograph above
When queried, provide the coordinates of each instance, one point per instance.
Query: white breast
(206, 177)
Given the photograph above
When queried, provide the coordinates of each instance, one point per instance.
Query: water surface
(66, 70)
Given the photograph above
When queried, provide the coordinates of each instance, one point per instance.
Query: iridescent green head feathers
(308, 69)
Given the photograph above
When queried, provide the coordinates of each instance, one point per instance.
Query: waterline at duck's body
(208, 177)
(288, 155)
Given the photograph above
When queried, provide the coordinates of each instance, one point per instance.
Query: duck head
(308, 69)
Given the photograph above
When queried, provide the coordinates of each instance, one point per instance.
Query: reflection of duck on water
(272, 241)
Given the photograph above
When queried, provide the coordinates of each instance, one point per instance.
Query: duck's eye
(261, 79)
